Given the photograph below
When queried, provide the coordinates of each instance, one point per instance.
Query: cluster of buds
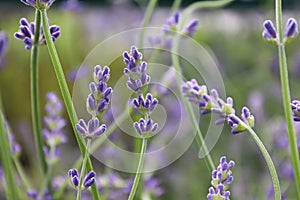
(138, 82)
(171, 25)
(88, 180)
(271, 35)
(28, 30)
(97, 102)
(212, 103)
(138, 79)
(221, 180)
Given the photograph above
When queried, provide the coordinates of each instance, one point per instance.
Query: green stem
(139, 170)
(86, 156)
(268, 159)
(11, 185)
(146, 21)
(22, 174)
(175, 6)
(286, 97)
(66, 94)
(34, 84)
(199, 137)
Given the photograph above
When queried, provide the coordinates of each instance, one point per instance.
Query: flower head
(27, 33)
(191, 28)
(171, 23)
(291, 29)
(34, 194)
(269, 32)
(145, 105)
(91, 129)
(240, 125)
(138, 79)
(221, 180)
(145, 128)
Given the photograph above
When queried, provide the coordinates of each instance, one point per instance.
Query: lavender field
(149, 100)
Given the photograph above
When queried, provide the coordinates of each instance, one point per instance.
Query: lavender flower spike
(138, 79)
(145, 128)
(171, 23)
(145, 105)
(28, 30)
(42, 3)
(221, 180)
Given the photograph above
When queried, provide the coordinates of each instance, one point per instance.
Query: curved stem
(146, 21)
(139, 170)
(175, 6)
(22, 174)
(287, 98)
(199, 138)
(86, 156)
(268, 159)
(34, 85)
(11, 186)
(66, 94)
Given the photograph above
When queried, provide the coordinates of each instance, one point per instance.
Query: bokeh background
(233, 34)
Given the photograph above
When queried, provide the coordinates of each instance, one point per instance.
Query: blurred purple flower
(72, 6)
(295, 106)
(27, 33)
(3, 46)
(191, 28)
(33, 194)
(171, 23)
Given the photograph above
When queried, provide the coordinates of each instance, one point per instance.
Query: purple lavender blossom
(54, 134)
(92, 129)
(136, 71)
(221, 180)
(291, 29)
(295, 106)
(88, 180)
(269, 32)
(145, 128)
(191, 28)
(152, 187)
(34, 195)
(3, 46)
(15, 147)
(42, 3)
(171, 23)
(27, 33)
(211, 103)
(145, 105)
(208, 103)
(72, 6)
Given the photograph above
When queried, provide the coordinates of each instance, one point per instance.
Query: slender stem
(139, 170)
(175, 6)
(22, 174)
(268, 159)
(86, 156)
(34, 84)
(146, 21)
(286, 97)
(11, 185)
(66, 94)
(199, 137)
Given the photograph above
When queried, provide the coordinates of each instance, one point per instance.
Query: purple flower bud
(46, 3)
(89, 179)
(191, 28)
(269, 30)
(291, 29)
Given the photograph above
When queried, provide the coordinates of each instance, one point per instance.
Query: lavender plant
(138, 81)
